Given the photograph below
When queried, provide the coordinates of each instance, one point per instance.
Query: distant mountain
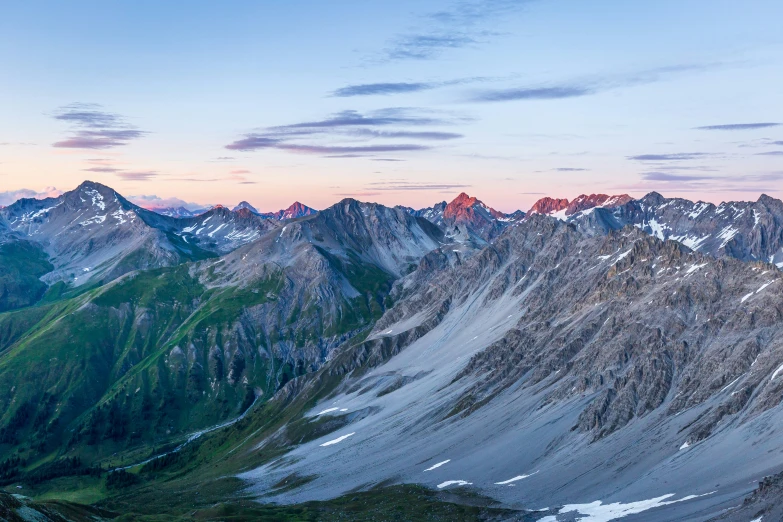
(92, 233)
(178, 212)
(246, 205)
(562, 208)
(297, 210)
(219, 230)
(467, 217)
(197, 344)
(744, 230)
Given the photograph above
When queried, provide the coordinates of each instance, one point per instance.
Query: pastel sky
(405, 102)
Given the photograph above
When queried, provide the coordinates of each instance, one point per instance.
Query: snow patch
(515, 479)
(337, 440)
(439, 464)
(454, 483)
(765, 285)
(780, 369)
(599, 512)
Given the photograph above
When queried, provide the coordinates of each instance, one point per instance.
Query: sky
(404, 102)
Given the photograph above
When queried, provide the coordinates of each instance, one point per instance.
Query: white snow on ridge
(453, 483)
(694, 267)
(94, 219)
(698, 209)
(560, 214)
(337, 440)
(694, 243)
(623, 255)
(328, 410)
(97, 198)
(439, 464)
(515, 479)
(765, 285)
(726, 234)
(730, 384)
(599, 512)
(212, 234)
(746, 297)
(780, 369)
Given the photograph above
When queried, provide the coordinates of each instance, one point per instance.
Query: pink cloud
(10, 196)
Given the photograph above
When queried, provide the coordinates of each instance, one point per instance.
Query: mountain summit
(248, 206)
(468, 216)
(296, 210)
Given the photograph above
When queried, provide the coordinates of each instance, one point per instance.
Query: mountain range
(588, 359)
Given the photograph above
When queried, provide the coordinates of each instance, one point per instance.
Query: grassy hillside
(120, 373)
(21, 265)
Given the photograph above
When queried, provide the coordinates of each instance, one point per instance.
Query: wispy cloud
(152, 202)
(318, 136)
(372, 89)
(94, 128)
(421, 135)
(571, 169)
(137, 175)
(395, 186)
(252, 143)
(9, 197)
(704, 183)
(359, 194)
(680, 156)
(577, 88)
(668, 176)
(351, 118)
(464, 23)
(533, 93)
(739, 126)
(771, 153)
(105, 170)
(391, 88)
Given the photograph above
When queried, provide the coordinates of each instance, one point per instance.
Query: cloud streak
(252, 143)
(374, 128)
(373, 89)
(533, 93)
(680, 156)
(585, 86)
(668, 176)
(739, 126)
(94, 128)
(399, 186)
(462, 24)
(137, 175)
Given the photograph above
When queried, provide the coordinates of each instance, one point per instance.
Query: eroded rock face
(467, 219)
(765, 503)
(548, 205)
(746, 230)
(611, 332)
(585, 202)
